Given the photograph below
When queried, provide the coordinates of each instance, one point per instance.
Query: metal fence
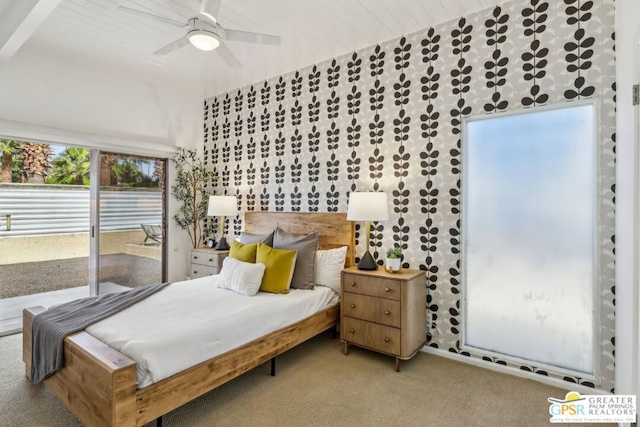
(45, 209)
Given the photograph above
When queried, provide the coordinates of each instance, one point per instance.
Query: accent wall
(389, 118)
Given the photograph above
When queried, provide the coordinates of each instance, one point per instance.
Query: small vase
(393, 265)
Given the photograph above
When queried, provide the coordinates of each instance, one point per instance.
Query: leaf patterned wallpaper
(389, 118)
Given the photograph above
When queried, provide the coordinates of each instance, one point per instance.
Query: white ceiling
(93, 32)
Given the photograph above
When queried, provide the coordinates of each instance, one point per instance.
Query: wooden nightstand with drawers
(384, 312)
(205, 262)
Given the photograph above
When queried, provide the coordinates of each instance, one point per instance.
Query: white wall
(43, 98)
(627, 196)
(50, 92)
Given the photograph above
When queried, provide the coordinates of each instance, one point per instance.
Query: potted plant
(190, 189)
(394, 259)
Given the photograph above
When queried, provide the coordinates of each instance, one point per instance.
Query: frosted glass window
(529, 236)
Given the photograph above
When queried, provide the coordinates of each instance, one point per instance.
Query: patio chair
(153, 232)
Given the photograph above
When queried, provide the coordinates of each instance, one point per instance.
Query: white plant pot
(393, 264)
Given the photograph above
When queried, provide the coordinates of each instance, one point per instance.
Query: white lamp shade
(203, 40)
(368, 206)
(222, 206)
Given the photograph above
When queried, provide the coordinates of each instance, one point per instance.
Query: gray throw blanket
(50, 327)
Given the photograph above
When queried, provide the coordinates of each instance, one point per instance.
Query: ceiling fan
(205, 33)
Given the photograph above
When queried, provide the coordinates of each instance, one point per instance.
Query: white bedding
(192, 321)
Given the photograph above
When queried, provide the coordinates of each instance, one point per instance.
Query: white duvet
(192, 321)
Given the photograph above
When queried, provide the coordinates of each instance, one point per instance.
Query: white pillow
(241, 277)
(329, 265)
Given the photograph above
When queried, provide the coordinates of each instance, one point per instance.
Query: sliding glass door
(75, 222)
(131, 206)
(44, 227)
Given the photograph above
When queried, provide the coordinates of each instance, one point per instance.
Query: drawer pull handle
(195, 257)
(195, 272)
(353, 306)
(353, 283)
(387, 290)
(352, 330)
(210, 259)
(387, 339)
(387, 312)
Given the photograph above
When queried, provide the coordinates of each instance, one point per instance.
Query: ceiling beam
(19, 22)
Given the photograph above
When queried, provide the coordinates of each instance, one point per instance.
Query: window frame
(596, 236)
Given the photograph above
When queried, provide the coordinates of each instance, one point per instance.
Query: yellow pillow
(241, 252)
(279, 265)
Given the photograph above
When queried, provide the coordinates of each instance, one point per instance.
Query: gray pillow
(306, 245)
(267, 239)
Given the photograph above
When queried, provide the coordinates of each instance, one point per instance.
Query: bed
(98, 383)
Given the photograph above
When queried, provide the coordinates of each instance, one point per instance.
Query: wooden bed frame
(98, 383)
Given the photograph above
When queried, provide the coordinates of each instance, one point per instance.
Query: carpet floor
(316, 385)
(44, 276)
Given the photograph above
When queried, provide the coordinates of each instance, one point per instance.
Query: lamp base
(222, 245)
(367, 262)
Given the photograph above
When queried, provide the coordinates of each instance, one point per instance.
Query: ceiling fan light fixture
(203, 40)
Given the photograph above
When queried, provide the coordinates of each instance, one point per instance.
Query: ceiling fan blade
(227, 56)
(151, 16)
(247, 37)
(172, 46)
(210, 9)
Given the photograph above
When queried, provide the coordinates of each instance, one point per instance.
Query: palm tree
(35, 161)
(72, 166)
(148, 177)
(8, 147)
(107, 176)
(158, 172)
(127, 172)
(134, 172)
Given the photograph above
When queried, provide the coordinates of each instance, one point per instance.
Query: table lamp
(222, 206)
(367, 206)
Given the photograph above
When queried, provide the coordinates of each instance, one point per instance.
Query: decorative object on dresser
(222, 206)
(367, 206)
(205, 262)
(384, 312)
(192, 178)
(394, 259)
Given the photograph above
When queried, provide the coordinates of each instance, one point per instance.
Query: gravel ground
(35, 277)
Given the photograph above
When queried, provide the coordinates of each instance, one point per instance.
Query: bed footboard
(97, 383)
(27, 319)
(168, 394)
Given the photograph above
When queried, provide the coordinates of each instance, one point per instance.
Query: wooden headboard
(333, 228)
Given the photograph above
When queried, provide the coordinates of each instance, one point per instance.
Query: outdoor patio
(47, 270)
(45, 276)
(50, 282)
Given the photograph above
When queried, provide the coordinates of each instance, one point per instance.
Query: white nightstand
(205, 262)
